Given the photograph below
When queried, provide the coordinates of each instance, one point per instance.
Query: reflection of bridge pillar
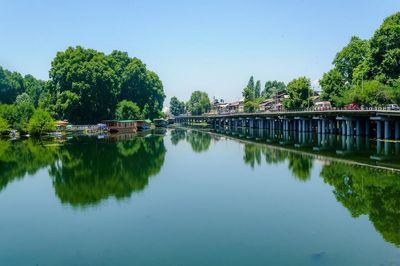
(378, 130)
(387, 129)
(358, 127)
(366, 128)
(319, 126)
(378, 147)
(387, 147)
(343, 124)
(323, 126)
(349, 127)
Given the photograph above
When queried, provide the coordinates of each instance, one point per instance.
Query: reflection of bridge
(325, 147)
(381, 124)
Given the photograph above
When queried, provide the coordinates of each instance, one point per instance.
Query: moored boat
(142, 125)
(119, 126)
(160, 122)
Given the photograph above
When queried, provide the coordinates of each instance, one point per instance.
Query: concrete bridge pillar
(323, 126)
(378, 130)
(303, 126)
(319, 126)
(387, 129)
(397, 130)
(343, 122)
(349, 126)
(251, 123)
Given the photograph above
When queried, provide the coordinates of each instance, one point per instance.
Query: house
(120, 126)
(235, 107)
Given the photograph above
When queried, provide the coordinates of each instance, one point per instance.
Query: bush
(127, 110)
(41, 122)
(4, 126)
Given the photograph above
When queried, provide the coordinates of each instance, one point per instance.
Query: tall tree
(272, 87)
(199, 103)
(87, 74)
(257, 89)
(176, 107)
(299, 91)
(350, 57)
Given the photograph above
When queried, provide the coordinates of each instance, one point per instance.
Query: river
(200, 197)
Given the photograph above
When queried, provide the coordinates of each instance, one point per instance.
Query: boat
(160, 122)
(121, 126)
(142, 125)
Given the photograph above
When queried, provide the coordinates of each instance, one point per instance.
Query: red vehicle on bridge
(352, 106)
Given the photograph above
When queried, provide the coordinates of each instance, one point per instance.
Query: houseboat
(160, 122)
(121, 126)
(142, 125)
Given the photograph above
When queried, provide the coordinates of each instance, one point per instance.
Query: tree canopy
(127, 110)
(176, 107)
(299, 91)
(85, 86)
(199, 103)
(365, 69)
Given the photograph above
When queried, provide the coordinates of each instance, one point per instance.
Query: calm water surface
(195, 197)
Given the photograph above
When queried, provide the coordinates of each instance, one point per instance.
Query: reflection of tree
(177, 135)
(91, 171)
(252, 154)
(24, 157)
(300, 166)
(200, 141)
(274, 156)
(366, 191)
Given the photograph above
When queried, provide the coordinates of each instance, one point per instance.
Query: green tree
(40, 123)
(24, 110)
(350, 57)
(4, 126)
(299, 91)
(127, 110)
(333, 87)
(272, 87)
(385, 45)
(87, 74)
(176, 107)
(34, 88)
(199, 103)
(257, 89)
(11, 85)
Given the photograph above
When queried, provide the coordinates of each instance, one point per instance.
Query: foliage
(272, 87)
(299, 91)
(372, 64)
(87, 85)
(11, 85)
(176, 107)
(4, 126)
(199, 141)
(127, 110)
(257, 89)
(199, 103)
(333, 86)
(41, 122)
(24, 110)
(350, 57)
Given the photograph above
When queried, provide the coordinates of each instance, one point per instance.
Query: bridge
(378, 123)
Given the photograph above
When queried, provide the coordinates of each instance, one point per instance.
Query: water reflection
(365, 175)
(200, 141)
(84, 176)
(86, 170)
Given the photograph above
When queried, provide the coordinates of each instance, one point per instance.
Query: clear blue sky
(193, 45)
